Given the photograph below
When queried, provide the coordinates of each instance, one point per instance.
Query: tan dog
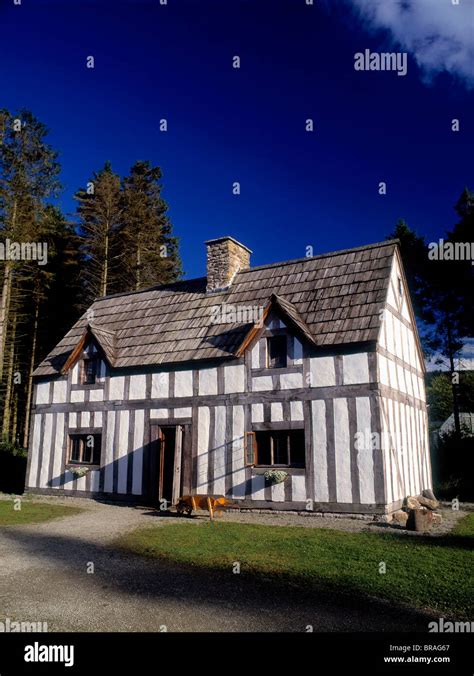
(189, 503)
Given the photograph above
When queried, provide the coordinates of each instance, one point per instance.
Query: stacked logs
(418, 512)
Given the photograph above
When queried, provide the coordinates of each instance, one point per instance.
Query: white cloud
(437, 33)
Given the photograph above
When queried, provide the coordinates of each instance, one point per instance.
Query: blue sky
(248, 125)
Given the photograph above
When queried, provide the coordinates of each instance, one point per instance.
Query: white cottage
(312, 367)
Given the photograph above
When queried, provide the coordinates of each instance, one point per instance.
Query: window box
(79, 470)
(275, 476)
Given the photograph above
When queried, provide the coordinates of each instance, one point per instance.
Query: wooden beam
(76, 353)
(254, 332)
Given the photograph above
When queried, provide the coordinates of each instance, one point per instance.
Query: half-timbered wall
(331, 396)
(404, 418)
(360, 404)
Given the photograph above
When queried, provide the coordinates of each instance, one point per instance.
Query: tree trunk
(454, 385)
(29, 394)
(9, 381)
(105, 268)
(15, 420)
(139, 261)
(4, 309)
(6, 293)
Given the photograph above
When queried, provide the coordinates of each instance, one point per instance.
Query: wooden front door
(166, 479)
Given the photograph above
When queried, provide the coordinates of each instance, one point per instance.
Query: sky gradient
(248, 124)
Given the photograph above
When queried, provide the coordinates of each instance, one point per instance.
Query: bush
(453, 467)
(13, 449)
(12, 467)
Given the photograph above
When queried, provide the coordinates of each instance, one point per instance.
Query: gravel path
(43, 577)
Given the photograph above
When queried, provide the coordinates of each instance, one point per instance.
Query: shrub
(13, 449)
(453, 467)
(12, 467)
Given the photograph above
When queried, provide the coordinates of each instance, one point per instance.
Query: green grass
(464, 528)
(426, 573)
(32, 512)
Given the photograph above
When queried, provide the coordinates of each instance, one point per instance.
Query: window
(85, 449)
(400, 286)
(276, 352)
(89, 370)
(276, 447)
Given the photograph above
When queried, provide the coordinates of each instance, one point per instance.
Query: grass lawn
(32, 512)
(424, 572)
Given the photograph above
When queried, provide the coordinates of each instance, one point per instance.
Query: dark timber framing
(352, 351)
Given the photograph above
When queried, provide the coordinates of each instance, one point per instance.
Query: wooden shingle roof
(337, 297)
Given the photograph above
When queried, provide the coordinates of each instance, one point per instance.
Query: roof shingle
(338, 297)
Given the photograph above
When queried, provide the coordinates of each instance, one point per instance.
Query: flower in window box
(79, 471)
(275, 476)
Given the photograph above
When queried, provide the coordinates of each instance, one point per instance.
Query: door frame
(157, 437)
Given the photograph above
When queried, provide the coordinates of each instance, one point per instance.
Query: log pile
(418, 512)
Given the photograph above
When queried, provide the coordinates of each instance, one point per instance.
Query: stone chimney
(225, 257)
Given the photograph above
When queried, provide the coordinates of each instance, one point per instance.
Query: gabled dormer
(90, 358)
(275, 344)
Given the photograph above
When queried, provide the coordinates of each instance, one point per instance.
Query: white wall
(404, 424)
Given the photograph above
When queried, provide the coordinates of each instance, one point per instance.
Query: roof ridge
(338, 252)
(171, 323)
(158, 287)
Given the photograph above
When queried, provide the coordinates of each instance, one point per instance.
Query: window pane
(280, 448)
(263, 448)
(88, 448)
(85, 448)
(287, 445)
(75, 449)
(250, 448)
(277, 351)
(97, 447)
(297, 449)
(90, 371)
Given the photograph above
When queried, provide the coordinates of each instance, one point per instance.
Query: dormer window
(89, 371)
(277, 352)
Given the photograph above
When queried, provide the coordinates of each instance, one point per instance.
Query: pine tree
(100, 213)
(414, 255)
(28, 177)
(54, 294)
(442, 291)
(462, 278)
(123, 242)
(152, 251)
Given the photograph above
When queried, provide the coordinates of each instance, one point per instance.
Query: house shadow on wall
(120, 472)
